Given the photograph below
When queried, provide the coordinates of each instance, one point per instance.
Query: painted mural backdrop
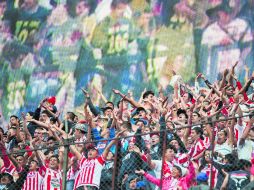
(129, 45)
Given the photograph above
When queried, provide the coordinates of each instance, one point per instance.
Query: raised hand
(140, 172)
(116, 91)
(23, 116)
(85, 92)
(119, 134)
(43, 101)
(236, 63)
(198, 75)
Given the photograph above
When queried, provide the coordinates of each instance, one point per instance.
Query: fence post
(164, 144)
(115, 167)
(212, 147)
(65, 162)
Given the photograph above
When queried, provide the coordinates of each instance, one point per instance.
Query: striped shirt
(207, 142)
(207, 170)
(52, 179)
(90, 172)
(33, 181)
(197, 148)
(72, 173)
(10, 170)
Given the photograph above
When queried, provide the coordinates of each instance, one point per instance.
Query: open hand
(140, 172)
(116, 91)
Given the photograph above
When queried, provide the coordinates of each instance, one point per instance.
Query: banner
(133, 45)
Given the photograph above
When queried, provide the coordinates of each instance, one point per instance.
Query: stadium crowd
(168, 143)
(195, 137)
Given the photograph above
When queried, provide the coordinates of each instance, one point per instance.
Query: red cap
(52, 100)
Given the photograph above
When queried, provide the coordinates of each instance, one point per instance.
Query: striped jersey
(33, 181)
(10, 169)
(207, 169)
(90, 172)
(197, 148)
(52, 179)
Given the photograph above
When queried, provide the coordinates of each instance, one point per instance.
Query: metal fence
(145, 160)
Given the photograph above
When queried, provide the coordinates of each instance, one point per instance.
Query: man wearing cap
(225, 41)
(80, 132)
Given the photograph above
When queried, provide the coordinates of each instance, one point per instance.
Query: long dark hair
(203, 161)
(199, 131)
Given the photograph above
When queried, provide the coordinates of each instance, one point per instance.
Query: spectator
(202, 181)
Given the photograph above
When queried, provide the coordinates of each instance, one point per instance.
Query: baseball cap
(52, 100)
(82, 127)
(202, 177)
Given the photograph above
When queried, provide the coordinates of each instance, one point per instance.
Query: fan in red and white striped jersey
(72, 173)
(10, 170)
(198, 147)
(90, 172)
(8, 167)
(91, 167)
(34, 179)
(52, 175)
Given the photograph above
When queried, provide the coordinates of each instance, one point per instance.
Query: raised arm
(75, 151)
(246, 131)
(6, 160)
(225, 182)
(208, 84)
(224, 79)
(18, 134)
(37, 154)
(107, 149)
(131, 101)
(246, 86)
(90, 122)
(90, 103)
(39, 123)
(141, 96)
(231, 136)
(101, 95)
(28, 134)
(14, 162)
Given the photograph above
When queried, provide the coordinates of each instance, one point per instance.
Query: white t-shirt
(245, 150)
(223, 148)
